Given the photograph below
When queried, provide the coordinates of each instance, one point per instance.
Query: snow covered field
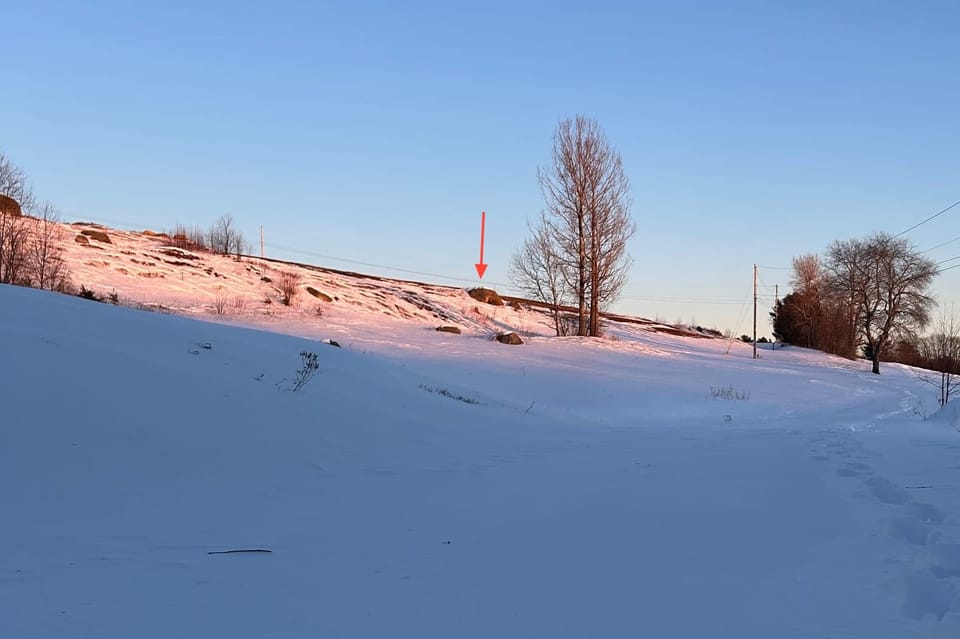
(436, 485)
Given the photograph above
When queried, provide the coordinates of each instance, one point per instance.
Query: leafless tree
(14, 184)
(587, 217)
(288, 283)
(14, 247)
(46, 266)
(225, 238)
(886, 281)
(940, 353)
(14, 231)
(800, 317)
(538, 271)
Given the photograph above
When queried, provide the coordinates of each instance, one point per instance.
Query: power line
(935, 215)
(949, 259)
(374, 265)
(941, 244)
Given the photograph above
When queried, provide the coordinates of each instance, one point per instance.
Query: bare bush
(239, 304)
(309, 367)
(220, 302)
(288, 285)
(940, 353)
(728, 392)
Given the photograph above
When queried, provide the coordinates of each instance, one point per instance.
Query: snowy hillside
(426, 484)
(145, 270)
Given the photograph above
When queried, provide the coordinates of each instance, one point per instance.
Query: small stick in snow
(227, 552)
(916, 487)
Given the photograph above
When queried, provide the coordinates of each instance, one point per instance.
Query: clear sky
(751, 131)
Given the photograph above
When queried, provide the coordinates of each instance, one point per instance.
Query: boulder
(82, 239)
(509, 338)
(485, 295)
(323, 297)
(449, 329)
(9, 205)
(99, 236)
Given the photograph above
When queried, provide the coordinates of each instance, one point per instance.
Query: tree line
(866, 296)
(31, 237)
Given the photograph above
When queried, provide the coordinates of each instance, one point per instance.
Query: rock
(331, 343)
(449, 329)
(485, 295)
(515, 305)
(99, 236)
(9, 205)
(82, 239)
(509, 338)
(323, 297)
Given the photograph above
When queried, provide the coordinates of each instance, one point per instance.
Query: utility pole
(754, 311)
(776, 303)
(261, 241)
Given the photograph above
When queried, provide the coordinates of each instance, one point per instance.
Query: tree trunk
(582, 276)
(876, 362)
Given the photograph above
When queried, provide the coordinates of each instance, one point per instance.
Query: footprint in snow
(926, 595)
(911, 531)
(885, 491)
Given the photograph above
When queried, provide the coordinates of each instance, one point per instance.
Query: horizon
(750, 134)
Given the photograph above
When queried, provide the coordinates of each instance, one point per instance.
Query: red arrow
(481, 267)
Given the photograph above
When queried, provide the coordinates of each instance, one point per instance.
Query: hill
(145, 269)
(431, 484)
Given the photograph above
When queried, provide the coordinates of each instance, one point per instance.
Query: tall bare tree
(587, 217)
(886, 281)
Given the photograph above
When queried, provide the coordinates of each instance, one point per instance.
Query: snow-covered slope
(438, 484)
(145, 270)
(425, 484)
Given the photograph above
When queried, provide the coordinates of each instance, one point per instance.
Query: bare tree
(886, 281)
(940, 352)
(802, 316)
(47, 267)
(14, 184)
(288, 284)
(14, 234)
(538, 271)
(14, 245)
(587, 217)
(225, 238)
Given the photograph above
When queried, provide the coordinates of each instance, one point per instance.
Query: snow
(583, 488)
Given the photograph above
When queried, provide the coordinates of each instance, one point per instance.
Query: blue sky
(751, 131)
